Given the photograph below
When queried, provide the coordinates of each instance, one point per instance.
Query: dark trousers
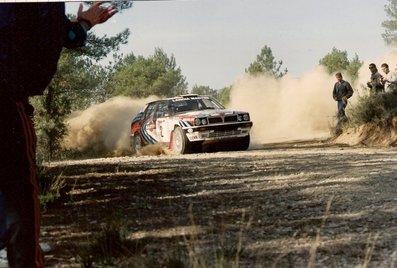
(341, 109)
(19, 185)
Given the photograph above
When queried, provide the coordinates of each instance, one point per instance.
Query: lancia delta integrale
(190, 123)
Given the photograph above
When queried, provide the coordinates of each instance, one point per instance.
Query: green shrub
(51, 186)
(374, 108)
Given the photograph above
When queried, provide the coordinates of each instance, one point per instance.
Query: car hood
(211, 112)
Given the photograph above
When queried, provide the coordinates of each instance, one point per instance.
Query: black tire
(244, 143)
(180, 143)
(136, 143)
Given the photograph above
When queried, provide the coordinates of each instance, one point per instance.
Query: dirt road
(283, 205)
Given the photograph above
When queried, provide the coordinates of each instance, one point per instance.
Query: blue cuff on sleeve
(76, 36)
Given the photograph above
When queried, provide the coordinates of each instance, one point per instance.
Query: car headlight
(197, 121)
(200, 121)
(243, 117)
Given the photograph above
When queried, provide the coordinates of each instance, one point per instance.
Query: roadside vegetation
(52, 187)
(379, 109)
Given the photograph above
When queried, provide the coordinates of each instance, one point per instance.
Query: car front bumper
(218, 132)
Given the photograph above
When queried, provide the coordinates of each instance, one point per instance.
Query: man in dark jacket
(32, 36)
(341, 92)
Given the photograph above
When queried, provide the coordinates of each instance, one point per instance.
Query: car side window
(150, 111)
(186, 105)
(162, 109)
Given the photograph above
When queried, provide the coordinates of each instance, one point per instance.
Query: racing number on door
(160, 128)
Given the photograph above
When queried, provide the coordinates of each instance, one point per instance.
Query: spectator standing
(375, 83)
(389, 80)
(341, 93)
(31, 39)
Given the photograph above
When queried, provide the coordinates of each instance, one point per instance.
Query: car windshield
(194, 104)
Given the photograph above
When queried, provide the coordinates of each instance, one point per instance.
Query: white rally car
(190, 123)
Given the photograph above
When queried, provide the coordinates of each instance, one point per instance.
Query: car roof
(185, 96)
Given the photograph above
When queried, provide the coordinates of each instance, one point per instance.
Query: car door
(162, 121)
(148, 129)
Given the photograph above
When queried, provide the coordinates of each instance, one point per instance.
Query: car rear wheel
(179, 144)
(136, 143)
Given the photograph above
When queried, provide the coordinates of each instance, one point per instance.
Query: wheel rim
(178, 142)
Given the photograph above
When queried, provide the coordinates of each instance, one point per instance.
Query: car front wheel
(243, 143)
(179, 144)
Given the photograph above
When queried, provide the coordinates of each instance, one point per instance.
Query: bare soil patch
(292, 204)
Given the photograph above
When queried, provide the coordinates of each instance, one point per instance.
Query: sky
(213, 42)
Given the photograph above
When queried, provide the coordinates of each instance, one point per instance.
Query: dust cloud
(103, 129)
(288, 108)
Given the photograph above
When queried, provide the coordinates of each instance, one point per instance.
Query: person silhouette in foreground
(32, 36)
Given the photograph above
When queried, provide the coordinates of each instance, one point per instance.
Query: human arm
(349, 91)
(392, 78)
(77, 29)
(95, 14)
(376, 81)
(334, 95)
